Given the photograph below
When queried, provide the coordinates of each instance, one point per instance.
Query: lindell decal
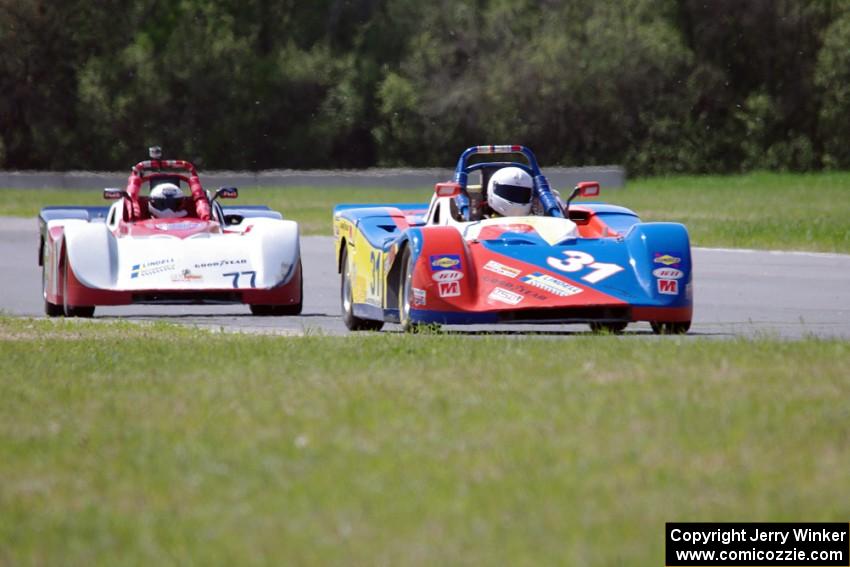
(551, 284)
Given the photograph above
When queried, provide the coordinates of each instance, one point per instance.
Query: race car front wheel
(677, 328)
(405, 291)
(405, 296)
(272, 310)
(73, 310)
(50, 309)
(352, 322)
(613, 328)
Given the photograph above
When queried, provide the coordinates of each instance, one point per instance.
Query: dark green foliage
(659, 85)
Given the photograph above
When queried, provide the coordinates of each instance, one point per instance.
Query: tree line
(660, 86)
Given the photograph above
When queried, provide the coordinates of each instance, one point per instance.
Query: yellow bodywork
(367, 263)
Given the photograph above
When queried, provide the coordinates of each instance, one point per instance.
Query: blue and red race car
(445, 263)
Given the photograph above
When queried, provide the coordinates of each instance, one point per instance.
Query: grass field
(759, 210)
(130, 444)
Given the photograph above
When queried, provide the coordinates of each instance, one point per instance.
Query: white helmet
(164, 201)
(509, 192)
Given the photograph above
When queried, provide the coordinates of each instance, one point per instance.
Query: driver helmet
(509, 192)
(165, 200)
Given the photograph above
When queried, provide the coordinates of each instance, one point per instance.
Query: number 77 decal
(577, 261)
(235, 276)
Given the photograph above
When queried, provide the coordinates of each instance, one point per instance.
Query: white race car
(201, 254)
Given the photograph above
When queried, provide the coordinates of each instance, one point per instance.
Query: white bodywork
(257, 253)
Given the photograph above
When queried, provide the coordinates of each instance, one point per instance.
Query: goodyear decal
(223, 263)
(551, 284)
(445, 262)
(515, 286)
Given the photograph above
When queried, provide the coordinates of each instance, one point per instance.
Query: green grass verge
(124, 444)
(758, 210)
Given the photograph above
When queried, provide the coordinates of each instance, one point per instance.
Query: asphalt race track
(737, 293)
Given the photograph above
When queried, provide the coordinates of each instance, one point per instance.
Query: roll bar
(541, 185)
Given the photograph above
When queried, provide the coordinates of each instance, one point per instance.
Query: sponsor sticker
(186, 276)
(447, 276)
(445, 262)
(419, 297)
(505, 296)
(150, 268)
(501, 269)
(449, 289)
(668, 287)
(666, 259)
(668, 273)
(551, 284)
(221, 263)
(516, 287)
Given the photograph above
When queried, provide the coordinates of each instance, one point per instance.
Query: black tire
(405, 291)
(352, 322)
(50, 309)
(276, 310)
(85, 311)
(677, 328)
(613, 328)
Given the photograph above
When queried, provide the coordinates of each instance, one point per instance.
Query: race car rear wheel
(675, 328)
(50, 309)
(73, 310)
(352, 322)
(613, 328)
(293, 309)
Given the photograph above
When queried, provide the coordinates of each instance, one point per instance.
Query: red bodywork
(476, 287)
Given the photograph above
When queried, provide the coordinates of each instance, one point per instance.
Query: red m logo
(668, 287)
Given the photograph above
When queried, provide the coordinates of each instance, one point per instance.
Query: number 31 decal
(577, 261)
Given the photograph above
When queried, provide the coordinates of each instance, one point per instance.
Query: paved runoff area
(736, 292)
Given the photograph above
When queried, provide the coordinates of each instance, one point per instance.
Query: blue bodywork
(641, 250)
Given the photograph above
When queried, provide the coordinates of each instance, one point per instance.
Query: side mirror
(113, 194)
(226, 193)
(585, 189)
(588, 188)
(447, 189)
